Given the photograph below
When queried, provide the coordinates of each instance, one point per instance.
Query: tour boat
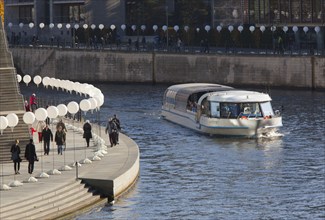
(220, 110)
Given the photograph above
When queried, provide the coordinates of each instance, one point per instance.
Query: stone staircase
(56, 204)
(11, 101)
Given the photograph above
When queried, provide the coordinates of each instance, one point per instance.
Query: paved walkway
(112, 165)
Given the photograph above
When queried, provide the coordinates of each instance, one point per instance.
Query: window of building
(70, 13)
(26, 14)
(295, 11)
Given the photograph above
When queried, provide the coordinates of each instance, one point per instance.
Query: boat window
(267, 109)
(250, 110)
(215, 109)
(229, 110)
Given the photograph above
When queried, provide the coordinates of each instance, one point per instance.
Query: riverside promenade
(62, 196)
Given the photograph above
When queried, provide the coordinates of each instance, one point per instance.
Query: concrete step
(41, 206)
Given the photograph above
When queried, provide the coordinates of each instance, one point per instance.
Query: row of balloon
(164, 27)
(95, 101)
(52, 112)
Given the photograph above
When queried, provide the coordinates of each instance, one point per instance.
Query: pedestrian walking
(30, 155)
(60, 138)
(15, 151)
(33, 102)
(40, 125)
(118, 127)
(61, 123)
(47, 136)
(111, 129)
(87, 132)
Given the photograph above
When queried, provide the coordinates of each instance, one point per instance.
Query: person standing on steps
(15, 151)
(30, 155)
(33, 102)
(60, 139)
(87, 132)
(47, 136)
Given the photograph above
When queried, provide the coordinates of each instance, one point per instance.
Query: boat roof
(190, 88)
(235, 96)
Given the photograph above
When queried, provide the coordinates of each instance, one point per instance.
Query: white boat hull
(251, 127)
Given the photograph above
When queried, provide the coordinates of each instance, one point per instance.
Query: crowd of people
(45, 136)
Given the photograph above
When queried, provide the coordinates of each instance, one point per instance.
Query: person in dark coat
(87, 132)
(111, 129)
(118, 126)
(47, 136)
(30, 155)
(60, 139)
(15, 151)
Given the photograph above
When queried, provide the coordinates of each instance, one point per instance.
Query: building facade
(279, 13)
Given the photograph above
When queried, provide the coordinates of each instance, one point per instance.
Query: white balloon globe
(41, 114)
(85, 105)
(37, 80)
(12, 120)
(52, 112)
(3, 122)
(63, 110)
(27, 79)
(73, 107)
(29, 118)
(19, 78)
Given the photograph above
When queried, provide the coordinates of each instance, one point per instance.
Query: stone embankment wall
(110, 66)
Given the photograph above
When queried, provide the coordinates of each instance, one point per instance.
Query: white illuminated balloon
(68, 26)
(76, 26)
(73, 107)
(3, 123)
(19, 78)
(240, 28)
(41, 25)
(21, 25)
(51, 25)
(295, 29)
(219, 28)
(29, 118)
(262, 28)
(85, 105)
(186, 28)
(207, 28)
(12, 120)
(37, 80)
(63, 110)
(101, 26)
(305, 29)
(27, 79)
(93, 26)
(46, 81)
(41, 114)
(123, 27)
(133, 27)
(31, 25)
(252, 28)
(52, 112)
(230, 28)
(93, 103)
(176, 28)
(85, 26)
(155, 28)
(59, 25)
(164, 28)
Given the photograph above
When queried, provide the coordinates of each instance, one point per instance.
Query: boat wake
(271, 135)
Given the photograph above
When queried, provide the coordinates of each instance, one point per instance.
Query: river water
(186, 175)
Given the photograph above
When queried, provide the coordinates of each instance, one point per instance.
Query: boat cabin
(217, 101)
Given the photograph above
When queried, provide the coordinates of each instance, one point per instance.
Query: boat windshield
(235, 110)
